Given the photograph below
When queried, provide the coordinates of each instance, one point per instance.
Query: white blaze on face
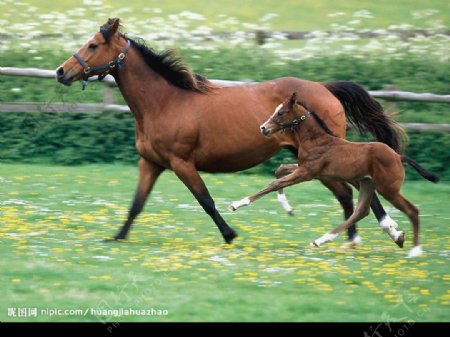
(273, 115)
(278, 108)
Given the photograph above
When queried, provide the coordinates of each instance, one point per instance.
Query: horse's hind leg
(384, 220)
(344, 194)
(148, 174)
(362, 210)
(412, 212)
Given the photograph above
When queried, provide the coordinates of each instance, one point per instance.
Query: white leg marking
(237, 204)
(415, 252)
(323, 239)
(388, 225)
(356, 241)
(285, 203)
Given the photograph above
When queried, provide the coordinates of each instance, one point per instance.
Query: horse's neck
(142, 88)
(311, 134)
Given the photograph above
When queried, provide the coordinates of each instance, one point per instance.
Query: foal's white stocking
(238, 204)
(388, 225)
(285, 203)
(323, 239)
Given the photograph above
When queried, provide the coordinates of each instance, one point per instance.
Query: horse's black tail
(424, 173)
(366, 114)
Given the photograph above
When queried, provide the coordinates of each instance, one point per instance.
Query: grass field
(53, 220)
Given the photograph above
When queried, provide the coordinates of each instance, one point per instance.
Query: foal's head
(100, 55)
(287, 115)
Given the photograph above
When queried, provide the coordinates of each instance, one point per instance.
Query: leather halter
(293, 125)
(106, 68)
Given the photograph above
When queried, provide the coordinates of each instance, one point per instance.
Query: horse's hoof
(415, 252)
(400, 240)
(314, 244)
(109, 240)
(349, 245)
(114, 239)
(229, 237)
(291, 212)
(352, 243)
(232, 208)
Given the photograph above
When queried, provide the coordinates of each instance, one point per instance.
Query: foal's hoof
(232, 208)
(314, 244)
(352, 243)
(400, 240)
(291, 212)
(230, 236)
(415, 252)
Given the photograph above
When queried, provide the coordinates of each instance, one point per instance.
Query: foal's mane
(317, 118)
(167, 64)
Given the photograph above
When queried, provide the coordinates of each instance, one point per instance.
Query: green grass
(53, 220)
(292, 14)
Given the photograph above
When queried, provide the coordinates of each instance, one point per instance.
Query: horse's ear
(293, 99)
(110, 28)
(113, 25)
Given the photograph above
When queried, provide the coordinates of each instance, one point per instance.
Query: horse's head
(100, 55)
(287, 115)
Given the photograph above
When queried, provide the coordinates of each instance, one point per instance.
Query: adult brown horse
(187, 124)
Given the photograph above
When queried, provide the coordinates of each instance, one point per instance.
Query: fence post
(108, 95)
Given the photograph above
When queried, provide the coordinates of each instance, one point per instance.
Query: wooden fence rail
(107, 105)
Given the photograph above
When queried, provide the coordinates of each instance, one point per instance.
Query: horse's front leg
(188, 174)
(366, 192)
(297, 176)
(148, 174)
(281, 171)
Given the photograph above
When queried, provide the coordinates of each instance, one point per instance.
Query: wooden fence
(389, 95)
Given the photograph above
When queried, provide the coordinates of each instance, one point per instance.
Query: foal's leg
(341, 191)
(384, 220)
(299, 175)
(362, 210)
(148, 174)
(281, 171)
(412, 212)
(344, 194)
(188, 174)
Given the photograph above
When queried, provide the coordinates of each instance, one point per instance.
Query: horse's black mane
(319, 120)
(171, 67)
(165, 63)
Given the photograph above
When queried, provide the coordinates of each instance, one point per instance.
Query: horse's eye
(93, 46)
(280, 113)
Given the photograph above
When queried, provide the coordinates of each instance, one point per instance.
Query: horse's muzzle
(266, 132)
(62, 78)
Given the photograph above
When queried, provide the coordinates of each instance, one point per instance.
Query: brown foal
(323, 155)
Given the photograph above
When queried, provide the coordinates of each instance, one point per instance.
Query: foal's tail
(424, 173)
(366, 114)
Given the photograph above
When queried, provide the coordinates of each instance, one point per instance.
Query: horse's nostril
(262, 127)
(60, 71)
